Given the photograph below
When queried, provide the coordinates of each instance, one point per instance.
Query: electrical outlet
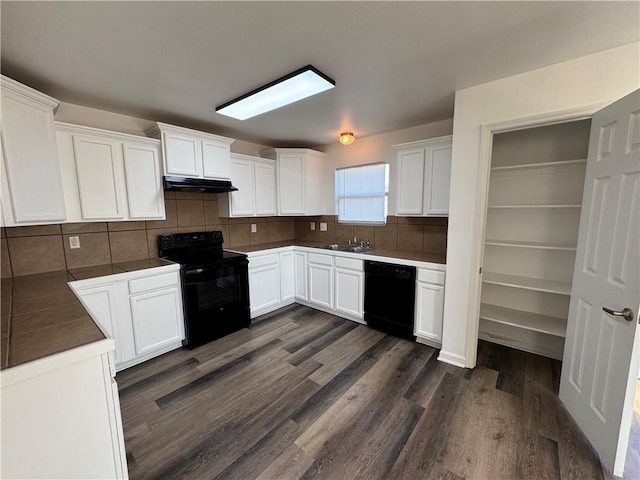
(254, 228)
(313, 225)
(74, 242)
(323, 226)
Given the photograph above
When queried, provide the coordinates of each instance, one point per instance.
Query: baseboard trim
(452, 359)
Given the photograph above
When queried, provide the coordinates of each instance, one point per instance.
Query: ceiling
(396, 64)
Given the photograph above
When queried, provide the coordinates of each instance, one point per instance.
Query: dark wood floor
(304, 394)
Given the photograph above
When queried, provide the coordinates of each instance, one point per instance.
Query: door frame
(488, 130)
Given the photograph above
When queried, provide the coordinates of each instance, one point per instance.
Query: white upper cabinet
(32, 186)
(183, 155)
(300, 175)
(109, 175)
(100, 177)
(193, 154)
(255, 179)
(144, 180)
(424, 177)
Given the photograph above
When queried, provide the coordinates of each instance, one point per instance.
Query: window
(361, 193)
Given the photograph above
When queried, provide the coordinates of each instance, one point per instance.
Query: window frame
(386, 196)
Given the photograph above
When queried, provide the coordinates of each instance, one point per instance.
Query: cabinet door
(100, 177)
(291, 192)
(321, 285)
(265, 188)
(349, 291)
(438, 166)
(429, 310)
(300, 275)
(287, 292)
(31, 162)
(144, 181)
(183, 155)
(157, 319)
(243, 201)
(100, 302)
(264, 287)
(410, 181)
(215, 159)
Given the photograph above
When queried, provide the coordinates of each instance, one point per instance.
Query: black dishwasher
(389, 297)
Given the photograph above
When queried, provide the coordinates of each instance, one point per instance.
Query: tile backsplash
(414, 234)
(45, 248)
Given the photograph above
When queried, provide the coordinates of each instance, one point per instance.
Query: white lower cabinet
(271, 281)
(156, 318)
(334, 283)
(429, 306)
(264, 283)
(61, 417)
(142, 311)
(320, 268)
(349, 286)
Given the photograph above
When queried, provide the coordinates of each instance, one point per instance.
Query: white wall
(579, 83)
(374, 149)
(92, 117)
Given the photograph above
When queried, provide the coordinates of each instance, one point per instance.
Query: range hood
(190, 184)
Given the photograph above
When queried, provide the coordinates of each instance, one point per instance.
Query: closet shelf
(527, 320)
(527, 283)
(539, 165)
(537, 245)
(536, 206)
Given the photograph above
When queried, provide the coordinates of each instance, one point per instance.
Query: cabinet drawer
(431, 276)
(352, 263)
(321, 259)
(263, 260)
(153, 283)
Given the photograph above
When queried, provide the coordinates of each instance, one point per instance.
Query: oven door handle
(196, 271)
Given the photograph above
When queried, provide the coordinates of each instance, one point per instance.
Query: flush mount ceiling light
(300, 84)
(347, 138)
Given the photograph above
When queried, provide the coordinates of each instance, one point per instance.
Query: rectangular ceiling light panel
(296, 86)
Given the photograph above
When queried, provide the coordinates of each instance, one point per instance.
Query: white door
(410, 181)
(183, 155)
(300, 275)
(243, 201)
(601, 355)
(157, 319)
(264, 285)
(287, 288)
(291, 191)
(144, 181)
(100, 177)
(215, 159)
(349, 291)
(265, 186)
(321, 285)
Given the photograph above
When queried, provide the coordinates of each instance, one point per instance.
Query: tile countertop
(41, 315)
(376, 252)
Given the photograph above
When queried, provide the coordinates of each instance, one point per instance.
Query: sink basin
(358, 249)
(346, 248)
(336, 246)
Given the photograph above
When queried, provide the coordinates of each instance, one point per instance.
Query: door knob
(625, 313)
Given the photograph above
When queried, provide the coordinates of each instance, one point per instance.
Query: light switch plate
(313, 225)
(74, 242)
(254, 228)
(323, 226)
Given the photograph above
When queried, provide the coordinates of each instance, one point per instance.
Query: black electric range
(215, 284)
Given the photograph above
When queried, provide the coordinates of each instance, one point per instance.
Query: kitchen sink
(346, 248)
